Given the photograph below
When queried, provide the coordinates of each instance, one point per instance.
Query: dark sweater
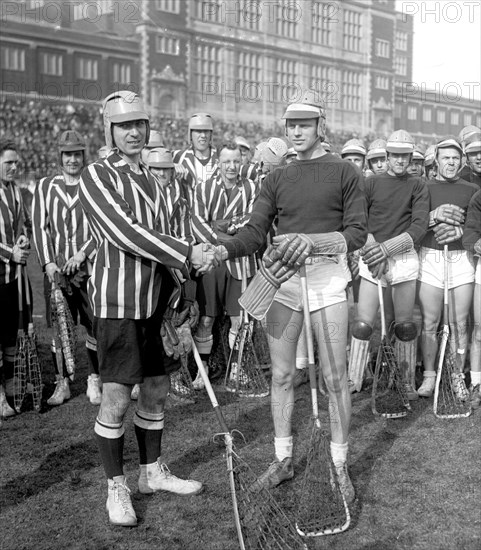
(397, 205)
(472, 225)
(321, 195)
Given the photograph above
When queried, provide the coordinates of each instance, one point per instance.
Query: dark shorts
(218, 291)
(78, 303)
(9, 314)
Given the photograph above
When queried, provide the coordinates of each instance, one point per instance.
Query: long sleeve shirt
(12, 221)
(128, 217)
(321, 195)
(472, 225)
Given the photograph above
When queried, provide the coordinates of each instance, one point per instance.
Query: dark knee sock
(110, 441)
(148, 430)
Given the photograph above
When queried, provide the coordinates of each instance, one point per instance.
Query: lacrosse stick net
(260, 522)
(20, 362)
(34, 372)
(64, 328)
(389, 398)
(181, 385)
(261, 345)
(451, 397)
(322, 509)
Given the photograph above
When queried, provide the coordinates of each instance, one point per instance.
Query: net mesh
(64, 328)
(181, 385)
(261, 345)
(244, 375)
(451, 396)
(389, 397)
(322, 508)
(20, 371)
(219, 355)
(34, 373)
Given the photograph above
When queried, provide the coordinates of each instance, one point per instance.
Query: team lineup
(149, 247)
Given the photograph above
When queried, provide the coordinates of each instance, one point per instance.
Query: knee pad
(361, 330)
(405, 331)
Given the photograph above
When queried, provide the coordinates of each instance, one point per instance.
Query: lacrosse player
(133, 282)
(355, 152)
(472, 243)
(64, 247)
(14, 251)
(199, 161)
(449, 197)
(377, 157)
(320, 211)
(397, 206)
(222, 205)
(472, 150)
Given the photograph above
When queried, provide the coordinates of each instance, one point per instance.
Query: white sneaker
(198, 383)
(157, 477)
(61, 393)
(119, 506)
(426, 389)
(345, 483)
(94, 392)
(5, 409)
(134, 394)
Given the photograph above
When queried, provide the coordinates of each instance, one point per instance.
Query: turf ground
(417, 479)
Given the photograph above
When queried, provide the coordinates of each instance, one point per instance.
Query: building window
(468, 119)
(427, 114)
(286, 71)
(441, 117)
(478, 120)
(382, 82)
(171, 6)
(397, 111)
(249, 14)
(402, 41)
(383, 48)
(352, 31)
(351, 91)
(288, 13)
(121, 72)
(401, 65)
(454, 118)
(320, 79)
(322, 17)
(12, 59)
(51, 64)
(207, 65)
(249, 71)
(212, 11)
(167, 45)
(412, 112)
(87, 69)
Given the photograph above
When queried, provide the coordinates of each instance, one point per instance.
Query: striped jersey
(60, 228)
(178, 211)
(128, 217)
(12, 221)
(214, 203)
(198, 171)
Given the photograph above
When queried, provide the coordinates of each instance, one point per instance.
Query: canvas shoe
(345, 483)
(179, 391)
(61, 392)
(134, 394)
(411, 393)
(475, 393)
(198, 383)
(426, 389)
(119, 506)
(274, 475)
(5, 409)
(157, 477)
(459, 386)
(94, 392)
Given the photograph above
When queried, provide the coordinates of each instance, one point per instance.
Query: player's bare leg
(475, 357)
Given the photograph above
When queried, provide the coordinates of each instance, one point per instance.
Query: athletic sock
(91, 345)
(110, 441)
(283, 447)
(339, 453)
(148, 430)
(475, 378)
(301, 362)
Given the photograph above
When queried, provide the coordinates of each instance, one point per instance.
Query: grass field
(417, 479)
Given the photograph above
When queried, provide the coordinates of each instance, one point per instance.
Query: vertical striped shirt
(178, 211)
(197, 171)
(214, 203)
(60, 228)
(11, 227)
(128, 217)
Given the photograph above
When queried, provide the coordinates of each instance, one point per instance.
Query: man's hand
(293, 249)
(181, 171)
(19, 254)
(374, 254)
(204, 257)
(445, 233)
(23, 241)
(378, 270)
(176, 341)
(50, 270)
(447, 213)
(72, 265)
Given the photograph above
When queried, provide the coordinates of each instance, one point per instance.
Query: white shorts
(477, 275)
(431, 267)
(400, 268)
(326, 285)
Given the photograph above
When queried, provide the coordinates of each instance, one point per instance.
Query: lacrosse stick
(451, 397)
(389, 398)
(244, 375)
(181, 384)
(260, 522)
(322, 508)
(64, 328)
(34, 373)
(20, 364)
(261, 345)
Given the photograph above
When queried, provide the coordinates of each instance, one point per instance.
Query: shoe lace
(165, 470)
(123, 496)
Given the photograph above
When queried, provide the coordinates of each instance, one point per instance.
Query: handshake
(206, 256)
